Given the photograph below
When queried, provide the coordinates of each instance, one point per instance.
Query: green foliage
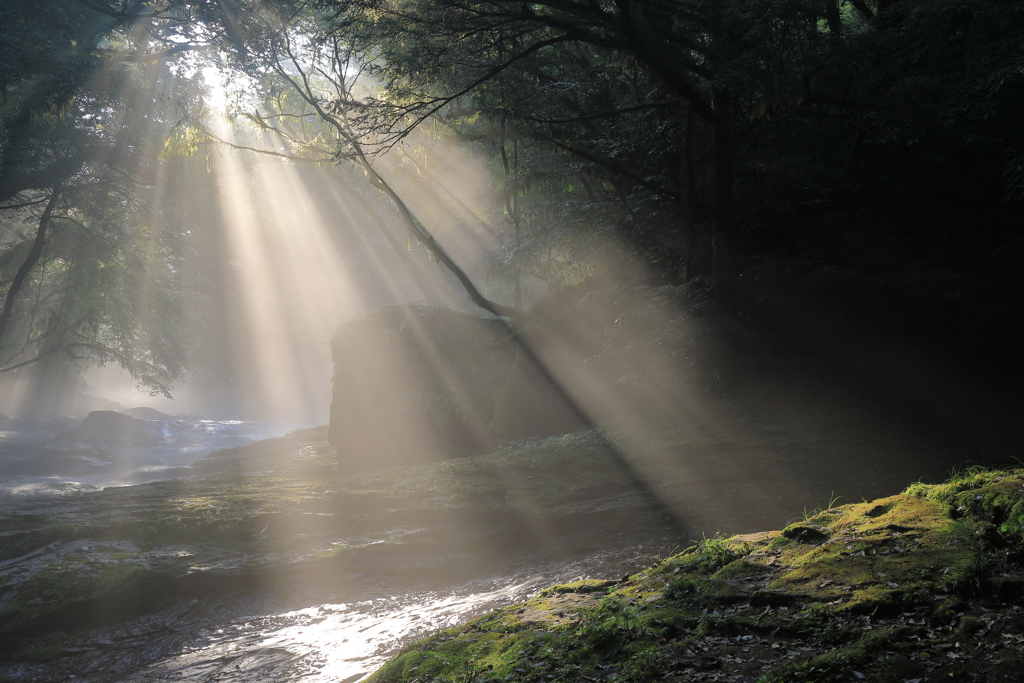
(80, 130)
(987, 499)
(682, 589)
(714, 553)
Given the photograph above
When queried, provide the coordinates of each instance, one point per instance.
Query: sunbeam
(444, 341)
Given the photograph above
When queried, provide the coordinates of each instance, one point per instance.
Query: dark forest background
(832, 188)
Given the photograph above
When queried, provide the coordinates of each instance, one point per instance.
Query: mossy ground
(919, 586)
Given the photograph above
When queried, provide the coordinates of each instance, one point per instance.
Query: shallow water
(346, 632)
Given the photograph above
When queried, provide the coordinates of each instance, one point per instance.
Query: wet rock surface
(74, 462)
(34, 464)
(111, 427)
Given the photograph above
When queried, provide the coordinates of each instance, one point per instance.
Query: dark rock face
(110, 428)
(416, 384)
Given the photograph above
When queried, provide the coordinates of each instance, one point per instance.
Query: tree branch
(598, 115)
(144, 57)
(24, 204)
(612, 166)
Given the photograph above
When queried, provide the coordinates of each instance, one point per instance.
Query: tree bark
(688, 191)
(724, 210)
(511, 193)
(28, 264)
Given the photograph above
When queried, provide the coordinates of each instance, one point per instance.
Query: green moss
(713, 553)
(584, 586)
(820, 586)
(986, 497)
(841, 661)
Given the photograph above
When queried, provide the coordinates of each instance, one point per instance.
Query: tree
(81, 128)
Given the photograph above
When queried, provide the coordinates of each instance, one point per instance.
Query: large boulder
(422, 383)
(145, 413)
(111, 428)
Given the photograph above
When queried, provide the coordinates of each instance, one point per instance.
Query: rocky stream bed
(268, 562)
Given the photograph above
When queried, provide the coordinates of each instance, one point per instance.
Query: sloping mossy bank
(921, 586)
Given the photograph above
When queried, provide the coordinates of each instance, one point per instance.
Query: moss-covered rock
(887, 590)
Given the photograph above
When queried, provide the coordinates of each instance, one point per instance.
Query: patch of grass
(713, 553)
(833, 499)
(584, 586)
(682, 590)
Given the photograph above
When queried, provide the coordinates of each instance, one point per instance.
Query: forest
(807, 171)
(708, 260)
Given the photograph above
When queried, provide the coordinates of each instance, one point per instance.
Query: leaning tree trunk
(34, 254)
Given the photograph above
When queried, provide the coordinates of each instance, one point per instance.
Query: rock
(112, 428)
(970, 625)
(75, 463)
(415, 384)
(806, 533)
(144, 413)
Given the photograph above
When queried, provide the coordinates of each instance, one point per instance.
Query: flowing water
(34, 461)
(341, 626)
(338, 642)
(324, 633)
(334, 628)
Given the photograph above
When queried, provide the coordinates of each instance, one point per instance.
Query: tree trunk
(688, 191)
(511, 204)
(721, 276)
(833, 19)
(28, 264)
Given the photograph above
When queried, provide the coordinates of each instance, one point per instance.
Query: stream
(340, 625)
(324, 629)
(339, 638)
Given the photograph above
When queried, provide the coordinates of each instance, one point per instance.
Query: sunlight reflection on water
(329, 643)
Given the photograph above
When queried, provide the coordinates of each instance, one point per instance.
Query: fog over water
(33, 462)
